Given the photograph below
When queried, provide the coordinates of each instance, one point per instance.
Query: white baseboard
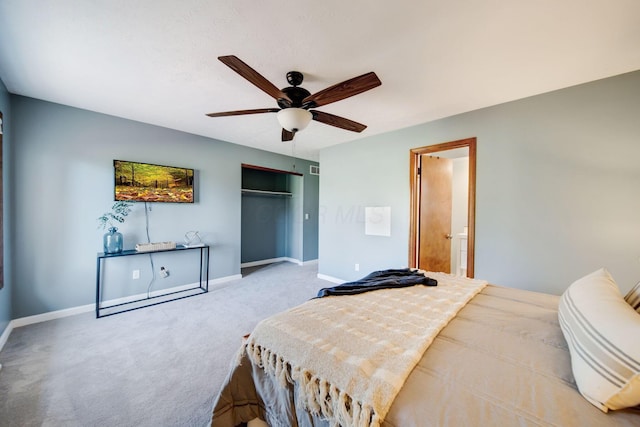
(274, 260)
(331, 279)
(219, 280)
(58, 314)
(5, 335)
(266, 261)
(51, 315)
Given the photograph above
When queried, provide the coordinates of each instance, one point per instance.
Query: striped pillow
(601, 330)
(633, 297)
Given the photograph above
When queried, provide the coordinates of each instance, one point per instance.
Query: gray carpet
(157, 366)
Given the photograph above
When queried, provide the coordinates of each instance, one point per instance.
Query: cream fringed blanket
(352, 354)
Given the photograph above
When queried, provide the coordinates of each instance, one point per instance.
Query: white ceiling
(155, 61)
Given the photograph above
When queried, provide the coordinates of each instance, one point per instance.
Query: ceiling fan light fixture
(294, 119)
(295, 101)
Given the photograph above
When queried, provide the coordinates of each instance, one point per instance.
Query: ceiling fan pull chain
(293, 154)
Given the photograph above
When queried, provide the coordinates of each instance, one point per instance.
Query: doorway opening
(271, 216)
(433, 244)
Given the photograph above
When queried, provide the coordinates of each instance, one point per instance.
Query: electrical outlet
(357, 267)
(136, 274)
(164, 273)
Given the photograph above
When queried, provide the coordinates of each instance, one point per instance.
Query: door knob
(449, 236)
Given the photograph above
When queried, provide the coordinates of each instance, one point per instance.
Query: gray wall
(295, 205)
(311, 191)
(557, 189)
(5, 292)
(62, 181)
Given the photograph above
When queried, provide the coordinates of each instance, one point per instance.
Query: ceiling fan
(295, 102)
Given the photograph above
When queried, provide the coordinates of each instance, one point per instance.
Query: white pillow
(633, 297)
(602, 331)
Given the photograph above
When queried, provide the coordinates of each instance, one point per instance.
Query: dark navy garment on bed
(383, 279)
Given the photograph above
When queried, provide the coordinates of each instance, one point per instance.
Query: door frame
(414, 182)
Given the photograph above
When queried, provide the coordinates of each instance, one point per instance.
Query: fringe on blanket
(271, 363)
(318, 396)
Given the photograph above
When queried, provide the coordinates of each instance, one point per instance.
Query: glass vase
(112, 241)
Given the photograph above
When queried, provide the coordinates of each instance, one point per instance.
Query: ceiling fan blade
(342, 90)
(242, 112)
(237, 65)
(337, 121)
(286, 135)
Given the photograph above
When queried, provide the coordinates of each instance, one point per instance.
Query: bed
(502, 358)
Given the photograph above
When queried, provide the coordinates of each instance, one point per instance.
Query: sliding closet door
(264, 224)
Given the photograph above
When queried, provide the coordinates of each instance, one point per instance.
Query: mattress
(501, 361)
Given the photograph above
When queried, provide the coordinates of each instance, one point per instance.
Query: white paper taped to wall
(377, 221)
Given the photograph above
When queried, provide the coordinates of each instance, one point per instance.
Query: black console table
(157, 299)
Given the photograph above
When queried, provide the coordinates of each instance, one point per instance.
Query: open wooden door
(434, 251)
(418, 240)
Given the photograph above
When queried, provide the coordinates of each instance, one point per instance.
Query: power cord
(153, 268)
